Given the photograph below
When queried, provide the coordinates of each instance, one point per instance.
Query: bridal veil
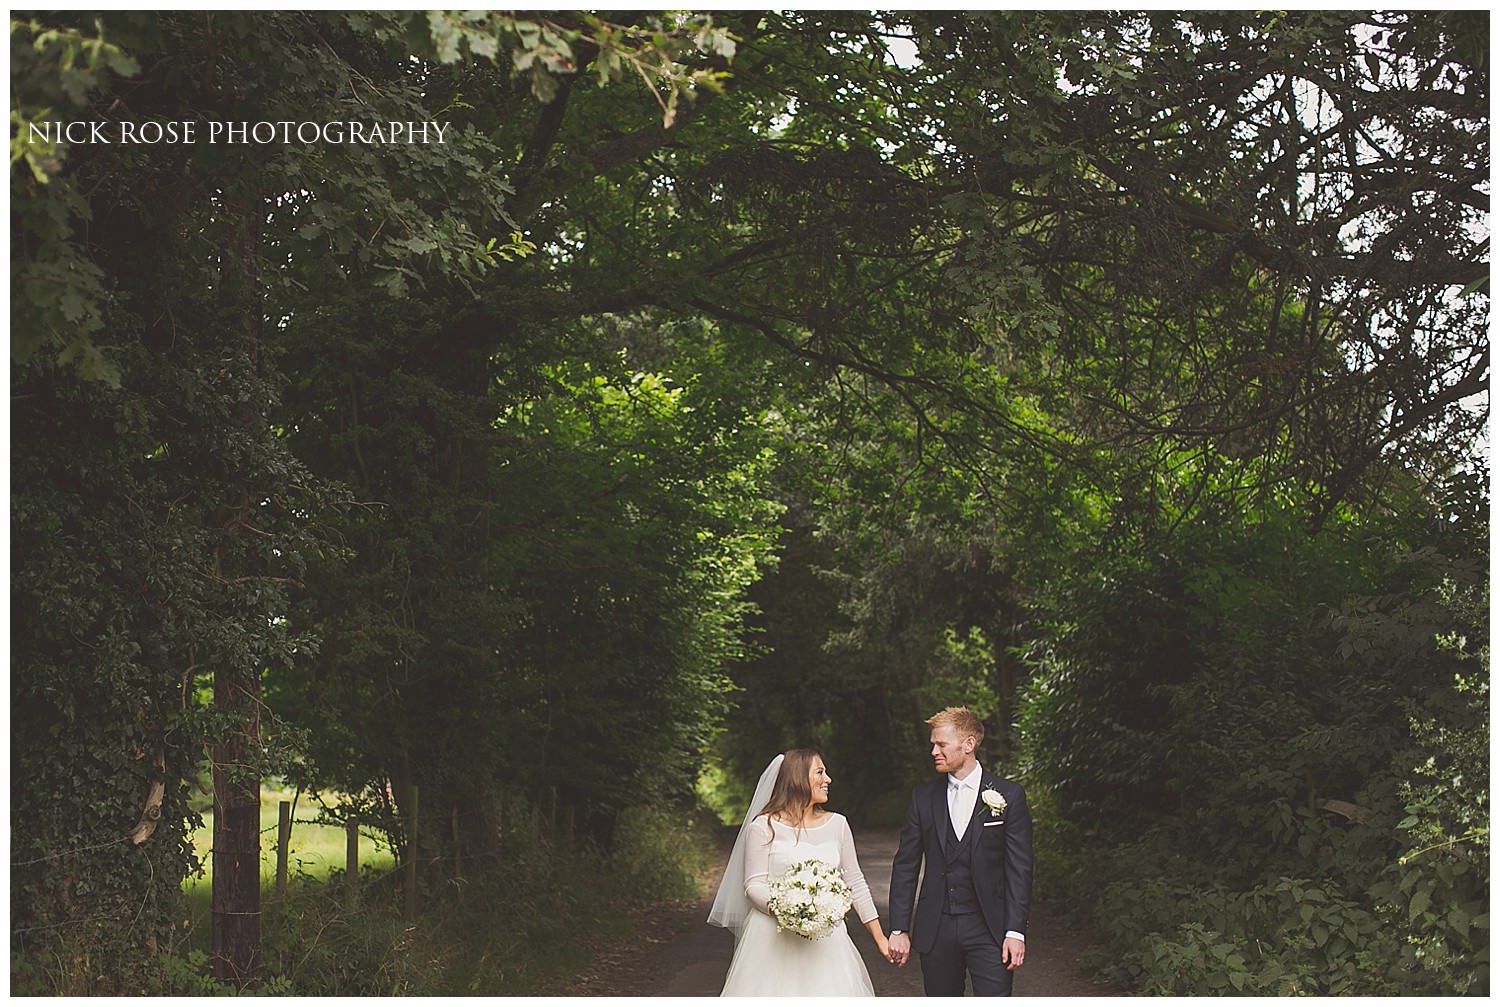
(731, 906)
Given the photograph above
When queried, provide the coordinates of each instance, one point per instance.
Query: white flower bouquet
(810, 899)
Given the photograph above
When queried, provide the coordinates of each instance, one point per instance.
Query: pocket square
(992, 824)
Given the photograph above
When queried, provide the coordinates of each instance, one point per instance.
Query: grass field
(313, 851)
(525, 923)
(313, 848)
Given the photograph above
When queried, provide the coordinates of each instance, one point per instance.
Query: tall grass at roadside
(313, 853)
(521, 927)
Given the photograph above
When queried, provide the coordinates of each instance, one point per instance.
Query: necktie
(955, 789)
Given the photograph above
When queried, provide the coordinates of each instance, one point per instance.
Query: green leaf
(445, 36)
(1473, 286)
(1419, 903)
(483, 44)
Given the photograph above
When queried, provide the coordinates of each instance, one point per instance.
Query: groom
(974, 832)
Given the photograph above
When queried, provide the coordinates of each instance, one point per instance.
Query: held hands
(900, 949)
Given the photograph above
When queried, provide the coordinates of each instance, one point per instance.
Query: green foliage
(1064, 873)
(190, 975)
(137, 575)
(165, 525)
(1285, 937)
(546, 49)
(589, 517)
(662, 852)
(516, 926)
(1288, 739)
(58, 292)
(1062, 344)
(1440, 884)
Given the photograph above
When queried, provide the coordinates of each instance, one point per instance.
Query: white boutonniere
(992, 800)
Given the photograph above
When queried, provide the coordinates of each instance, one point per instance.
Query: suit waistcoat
(959, 896)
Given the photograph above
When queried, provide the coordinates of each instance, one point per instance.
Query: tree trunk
(1007, 688)
(236, 856)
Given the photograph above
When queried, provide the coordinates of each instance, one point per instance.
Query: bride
(783, 827)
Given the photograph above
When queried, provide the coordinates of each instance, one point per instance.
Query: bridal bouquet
(810, 899)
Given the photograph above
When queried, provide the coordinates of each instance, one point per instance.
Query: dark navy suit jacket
(999, 852)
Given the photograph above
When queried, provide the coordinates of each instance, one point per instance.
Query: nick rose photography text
(188, 131)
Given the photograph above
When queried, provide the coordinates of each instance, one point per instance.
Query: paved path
(679, 954)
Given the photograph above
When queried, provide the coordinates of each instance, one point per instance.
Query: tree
(987, 301)
(186, 464)
(171, 488)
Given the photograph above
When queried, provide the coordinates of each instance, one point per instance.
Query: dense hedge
(1280, 764)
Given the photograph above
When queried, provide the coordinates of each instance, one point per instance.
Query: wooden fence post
(411, 856)
(351, 865)
(500, 829)
(283, 846)
(458, 857)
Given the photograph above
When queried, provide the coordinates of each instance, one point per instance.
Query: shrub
(1308, 813)
(511, 928)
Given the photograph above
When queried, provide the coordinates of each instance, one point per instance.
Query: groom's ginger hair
(961, 719)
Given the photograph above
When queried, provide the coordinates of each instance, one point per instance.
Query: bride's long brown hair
(791, 794)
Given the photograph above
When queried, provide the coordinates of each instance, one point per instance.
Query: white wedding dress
(768, 962)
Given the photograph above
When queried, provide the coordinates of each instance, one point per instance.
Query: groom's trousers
(965, 944)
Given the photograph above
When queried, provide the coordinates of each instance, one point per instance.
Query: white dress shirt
(962, 796)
